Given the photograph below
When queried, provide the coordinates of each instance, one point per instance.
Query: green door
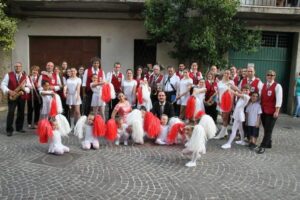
(275, 54)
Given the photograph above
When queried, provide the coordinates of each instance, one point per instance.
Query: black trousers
(33, 109)
(88, 101)
(112, 105)
(212, 111)
(268, 122)
(12, 105)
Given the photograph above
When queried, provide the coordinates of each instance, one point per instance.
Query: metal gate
(274, 53)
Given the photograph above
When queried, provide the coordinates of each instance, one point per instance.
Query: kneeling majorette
(53, 130)
(90, 128)
(197, 137)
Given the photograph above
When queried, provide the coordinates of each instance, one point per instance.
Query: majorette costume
(143, 96)
(205, 130)
(135, 121)
(90, 131)
(195, 103)
(175, 134)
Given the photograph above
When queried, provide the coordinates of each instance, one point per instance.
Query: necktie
(18, 77)
(268, 85)
(161, 109)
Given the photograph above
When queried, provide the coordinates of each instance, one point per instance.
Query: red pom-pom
(106, 95)
(199, 114)
(226, 101)
(175, 129)
(99, 127)
(53, 107)
(147, 120)
(111, 130)
(190, 107)
(140, 95)
(152, 126)
(44, 130)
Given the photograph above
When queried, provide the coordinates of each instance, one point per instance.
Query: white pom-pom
(79, 127)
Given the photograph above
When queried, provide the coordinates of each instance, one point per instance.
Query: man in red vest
(234, 75)
(16, 85)
(51, 77)
(195, 74)
(179, 73)
(87, 79)
(254, 82)
(271, 101)
(115, 77)
(155, 82)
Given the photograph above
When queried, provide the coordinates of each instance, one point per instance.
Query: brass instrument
(18, 91)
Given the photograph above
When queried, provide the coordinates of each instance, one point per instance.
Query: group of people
(167, 108)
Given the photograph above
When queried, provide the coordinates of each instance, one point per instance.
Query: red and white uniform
(196, 76)
(87, 77)
(271, 97)
(255, 84)
(115, 78)
(12, 80)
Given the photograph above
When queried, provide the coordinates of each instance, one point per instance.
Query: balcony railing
(273, 3)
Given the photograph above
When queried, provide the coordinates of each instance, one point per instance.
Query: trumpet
(18, 91)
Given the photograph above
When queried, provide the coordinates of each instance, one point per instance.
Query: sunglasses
(270, 75)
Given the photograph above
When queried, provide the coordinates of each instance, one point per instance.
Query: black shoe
(9, 134)
(21, 131)
(261, 150)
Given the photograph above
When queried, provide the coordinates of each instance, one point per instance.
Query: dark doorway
(144, 53)
(75, 50)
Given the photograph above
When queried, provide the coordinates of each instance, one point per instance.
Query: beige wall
(117, 38)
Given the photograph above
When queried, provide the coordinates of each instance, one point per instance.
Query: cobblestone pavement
(150, 172)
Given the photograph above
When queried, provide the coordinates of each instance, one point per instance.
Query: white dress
(56, 146)
(183, 87)
(72, 84)
(128, 90)
(89, 138)
(238, 113)
(223, 87)
(122, 133)
(46, 102)
(96, 98)
(162, 138)
(146, 97)
(199, 99)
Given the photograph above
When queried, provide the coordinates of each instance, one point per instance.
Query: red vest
(116, 81)
(253, 85)
(36, 87)
(52, 81)
(13, 83)
(210, 89)
(268, 99)
(196, 77)
(236, 80)
(179, 74)
(89, 78)
(153, 82)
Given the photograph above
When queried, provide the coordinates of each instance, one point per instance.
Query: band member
(87, 79)
(234, 75)
(115, 78)
(271, 101)
(255, 83)
(210, 96)
(51, 77)
(34, 100)
(195, 74)
(16, 85)
(179, 73)
(155, 82)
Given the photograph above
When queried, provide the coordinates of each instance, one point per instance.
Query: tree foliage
(201, 30)
(8, 28)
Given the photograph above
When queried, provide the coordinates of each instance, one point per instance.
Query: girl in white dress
(239, 116)
(145, 97)
(47, 95)
(164, 129)
(129, 87)
(72, 93)
(97, 103)
(199, 93)
(224, 86)
(183, 92)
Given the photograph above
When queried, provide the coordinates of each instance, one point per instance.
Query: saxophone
(18, 91)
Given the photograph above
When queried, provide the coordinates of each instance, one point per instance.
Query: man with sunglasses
(271, 101)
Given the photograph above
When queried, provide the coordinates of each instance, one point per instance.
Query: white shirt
(174, 80)
(4, 84)
(84, 79)
(56, 87)
(253, 110)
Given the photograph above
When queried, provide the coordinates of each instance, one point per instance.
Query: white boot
(72, 123)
